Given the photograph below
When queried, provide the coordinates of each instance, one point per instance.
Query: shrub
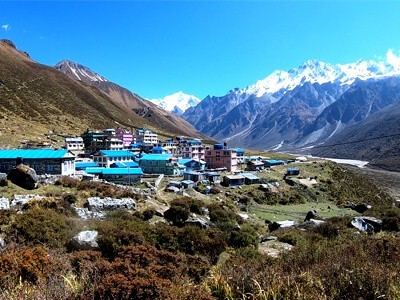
(41, 226)
(245, 237)
(27, 264)
(177, 215)
(3, 182)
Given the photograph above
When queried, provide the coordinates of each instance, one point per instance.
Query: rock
(360, 208)
(84, 240)
(4, 203)
(274, 248)
(281, 224)
(244, 216)
(23, 176)
(22, 200)
(312, 214)
(100, 204)
(367, 224)
(198, 221)
(215, 190)
(268, 238)
(86, 214)
(2, 244)
(312, 223)
(172, 189)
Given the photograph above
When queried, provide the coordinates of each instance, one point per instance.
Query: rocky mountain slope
(150, 114)
(375, 139)
(302, 107)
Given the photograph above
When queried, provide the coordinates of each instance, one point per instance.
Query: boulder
(4, 203)
(360, 208)
(22, 200)
(268, 238)
(84, 240)
(274, 248)
(312, 223)
(312, 214)
(23, 176)
(367, 224)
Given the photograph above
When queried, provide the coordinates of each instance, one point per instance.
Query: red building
(221, 157)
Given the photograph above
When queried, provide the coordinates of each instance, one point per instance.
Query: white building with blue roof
(105, 158)
(43, 161)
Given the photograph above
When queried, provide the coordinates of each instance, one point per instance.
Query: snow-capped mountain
(177, 103)
(281, 109)
(315, 71)
(78, 71)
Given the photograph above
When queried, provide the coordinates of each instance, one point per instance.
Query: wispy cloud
(6, 27)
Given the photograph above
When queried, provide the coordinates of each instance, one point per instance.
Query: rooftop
(34, 153)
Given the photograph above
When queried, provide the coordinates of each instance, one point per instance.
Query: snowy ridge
(315, 71)
(80, 72)
(177, 101)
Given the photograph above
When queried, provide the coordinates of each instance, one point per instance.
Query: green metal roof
(34, 153)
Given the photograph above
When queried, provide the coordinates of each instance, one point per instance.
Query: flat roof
(85, 164)
(116, 153)
(35, 153)
(122, 171)
(156, 157)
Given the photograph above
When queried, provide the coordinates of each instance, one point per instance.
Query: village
(122, 157)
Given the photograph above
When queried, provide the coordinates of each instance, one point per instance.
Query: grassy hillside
(142, 255)
(37, 98)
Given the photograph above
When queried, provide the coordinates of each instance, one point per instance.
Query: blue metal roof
(98, 170)
(274, 161)
(159, 148)
(117, 153)
(156, 157)
(85, 164)
(239, 150)
(122, 171)
(34, 153)
(192, 173)
(249, 176)
(183, 161)
(126, 164)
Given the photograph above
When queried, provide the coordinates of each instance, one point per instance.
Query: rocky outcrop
(101, 204)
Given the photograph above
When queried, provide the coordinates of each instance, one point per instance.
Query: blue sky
(156, 48)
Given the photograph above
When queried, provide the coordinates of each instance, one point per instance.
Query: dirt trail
(390, 181)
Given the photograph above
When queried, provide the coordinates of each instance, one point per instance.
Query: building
(293, 171)
(233, 180)
(193, 176)
(146, 136)
(43, 161)
(273, 162)
(90, 135)
(117, 175)
(159, 150)
(104, 158)
(221, 157)
(122, 175)
(83, 165)
(192, 149)
(250, 178)
(255, 165)
(192, 164)
(240, 156)
(165, 164)
(75, 145)
(125, 136)
(213, 177)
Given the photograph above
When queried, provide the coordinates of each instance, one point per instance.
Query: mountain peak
(177, 102)
(78, 71)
